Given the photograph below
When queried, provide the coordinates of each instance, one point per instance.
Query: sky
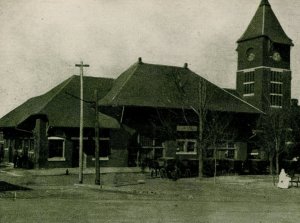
(42, 40)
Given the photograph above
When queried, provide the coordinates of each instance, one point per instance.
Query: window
(229, 154)
(191, 146)
(151, 148)
(180, 146)
(276, 86)
(276, 101)
(146, 141)
(249, 77)
(249, 84)
(104, 149)
(224, 150)
(230, 151)
(186, 146)
(248, 89)
(56, 149)
(276, 76)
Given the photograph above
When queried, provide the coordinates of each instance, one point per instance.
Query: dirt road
(232, 199)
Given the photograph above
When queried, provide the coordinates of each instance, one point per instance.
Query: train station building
(152, 110)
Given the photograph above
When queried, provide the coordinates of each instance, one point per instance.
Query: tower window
(248, 88)
(276, 101)
(276, 76)
(276, 91)
(275, 88)
(249, 84)
(249, 77)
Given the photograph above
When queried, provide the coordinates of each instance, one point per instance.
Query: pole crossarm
(81, 65)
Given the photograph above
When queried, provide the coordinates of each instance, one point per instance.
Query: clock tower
(264, 75)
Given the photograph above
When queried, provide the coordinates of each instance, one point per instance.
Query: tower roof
(264, 2)
(265, 23)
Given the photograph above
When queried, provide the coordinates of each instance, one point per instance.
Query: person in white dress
(284, 180)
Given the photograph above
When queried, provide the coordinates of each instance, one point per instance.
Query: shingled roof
(265, 23)
(61, 105)
(161, 86)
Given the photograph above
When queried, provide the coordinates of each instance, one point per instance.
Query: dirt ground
(136, 197)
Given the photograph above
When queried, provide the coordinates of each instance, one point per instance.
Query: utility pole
(97, 165)
(81, 65)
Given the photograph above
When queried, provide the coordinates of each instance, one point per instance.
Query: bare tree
(274, 132)
(217, 127)
(201, 110)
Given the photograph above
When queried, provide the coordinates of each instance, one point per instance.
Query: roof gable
(150, 85)
(30, 107)
(61, 104)
(265, 23)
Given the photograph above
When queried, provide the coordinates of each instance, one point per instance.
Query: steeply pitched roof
(61, 105)
(265, 23)
(161, 86)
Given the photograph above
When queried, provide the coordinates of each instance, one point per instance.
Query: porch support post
(40, 144)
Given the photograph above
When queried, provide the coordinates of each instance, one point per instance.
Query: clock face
(276, 56)
(250, 54)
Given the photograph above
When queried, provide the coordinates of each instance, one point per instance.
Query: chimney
(140, 60)
(185, 66)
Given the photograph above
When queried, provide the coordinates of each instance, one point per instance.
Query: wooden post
(40, 144)
(97, 165)
(81, 65)
(138, 152)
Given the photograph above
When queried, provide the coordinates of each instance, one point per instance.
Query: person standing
(284, 180)
(1, 152)
(15, 158)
